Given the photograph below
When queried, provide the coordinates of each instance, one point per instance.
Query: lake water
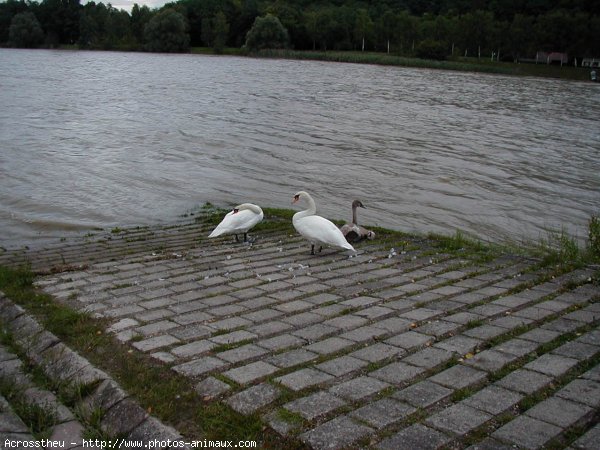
(101, 139)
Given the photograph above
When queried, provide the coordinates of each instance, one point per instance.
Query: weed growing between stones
(594, 237)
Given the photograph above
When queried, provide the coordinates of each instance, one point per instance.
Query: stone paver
(335, 434)
(527, 432)
(493, 399)
(584, 391)
(459, 419)
(417, 437)
(589, 441)
(423, 394)
(210, 388)
(341, 366)
(358, 388)
(315, 405)
(253, 398)
(65, 425)
(303, 378)
(250, 372)
(387, 349)
(560, 412)
(383, 412)
(459, 377)
(553, 365)
(525, 381)
(397, 372)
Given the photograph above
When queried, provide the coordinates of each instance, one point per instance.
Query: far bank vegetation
(435, 30)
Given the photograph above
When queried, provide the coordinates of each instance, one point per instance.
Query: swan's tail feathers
(215, 233)
(348, 246)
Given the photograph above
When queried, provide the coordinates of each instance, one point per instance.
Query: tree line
(509, 29)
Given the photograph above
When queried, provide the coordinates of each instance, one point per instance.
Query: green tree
(60, 20)
(140, 16)
(290, 16)
(363, 26)
(476, 32)
(167, 32)
(386, 28)
(25, 31)
(592, 43)
(220, 32)
(8, 10)
(312, 27)
(207, 32)
(267, 32)
(89, 30)
(243, 21)
(406, 31)
(431, 49)
(519, 35)
(561, 30)
(117, 30)
(322, 27)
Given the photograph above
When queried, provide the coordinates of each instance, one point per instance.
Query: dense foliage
(267, 32)
(25, 31)
(167, 32)
(510, 29)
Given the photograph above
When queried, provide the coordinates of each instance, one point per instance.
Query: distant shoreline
(481, 65)
(460, 64)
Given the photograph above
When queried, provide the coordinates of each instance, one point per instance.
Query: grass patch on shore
(557, 249)
(457, 63)
(481, 65)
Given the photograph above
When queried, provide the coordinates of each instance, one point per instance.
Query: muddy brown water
(100, 139)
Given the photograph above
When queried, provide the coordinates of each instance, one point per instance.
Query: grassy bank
(480, 65)
(461, 64)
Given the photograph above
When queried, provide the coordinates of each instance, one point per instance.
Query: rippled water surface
(100, 139)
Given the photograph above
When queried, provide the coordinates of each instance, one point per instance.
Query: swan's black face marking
(235, 210)
(296, 198)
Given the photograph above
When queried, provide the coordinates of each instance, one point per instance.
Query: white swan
(317, 229)
(354, 232)
(240, 220)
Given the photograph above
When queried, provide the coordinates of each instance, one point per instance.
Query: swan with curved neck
(241, 219)
(317, 229)
(354, 232)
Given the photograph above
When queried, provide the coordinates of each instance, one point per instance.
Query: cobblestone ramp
(388, 349)
(31, 412)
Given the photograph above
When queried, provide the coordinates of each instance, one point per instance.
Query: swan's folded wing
(223, 227)
(320, 230)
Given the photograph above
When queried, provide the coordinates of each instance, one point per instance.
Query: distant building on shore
(551, 58)
(591, 63)
(547, 58)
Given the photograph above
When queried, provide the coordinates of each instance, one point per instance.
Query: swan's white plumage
(240, 220)
(317, 229)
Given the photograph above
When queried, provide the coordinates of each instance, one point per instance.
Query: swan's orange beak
(295, 198)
